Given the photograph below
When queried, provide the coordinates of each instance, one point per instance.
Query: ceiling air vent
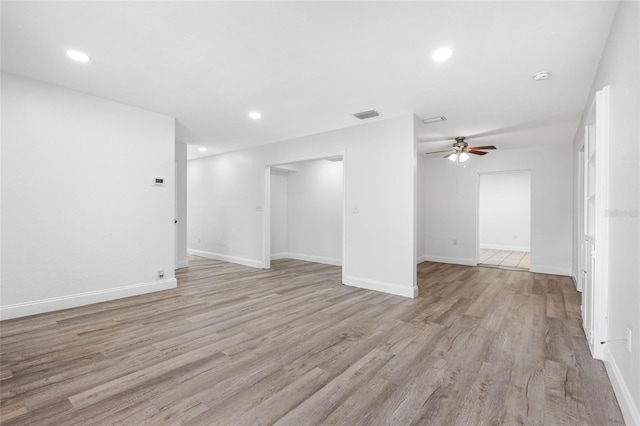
(366, 114)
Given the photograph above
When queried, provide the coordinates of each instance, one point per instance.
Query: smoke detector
(542, 75)
(366, 114)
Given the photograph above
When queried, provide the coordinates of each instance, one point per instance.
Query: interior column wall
(226, 195)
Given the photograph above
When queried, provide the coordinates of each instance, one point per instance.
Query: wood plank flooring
(292, 346)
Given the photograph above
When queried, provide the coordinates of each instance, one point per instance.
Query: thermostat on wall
(158, 181)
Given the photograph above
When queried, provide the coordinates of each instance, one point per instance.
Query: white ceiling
(308, 66)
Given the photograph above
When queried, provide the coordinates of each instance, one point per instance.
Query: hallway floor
(505, 259)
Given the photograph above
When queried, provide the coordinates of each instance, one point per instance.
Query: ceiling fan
(460, 150)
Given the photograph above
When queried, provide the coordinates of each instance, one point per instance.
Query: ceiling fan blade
(473, 148)
(477, 152)
(449, 155)
(438, 152)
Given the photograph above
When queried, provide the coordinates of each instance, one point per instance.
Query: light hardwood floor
(291, 346)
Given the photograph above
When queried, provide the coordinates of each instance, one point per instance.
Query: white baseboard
(505, 248)
(308, 258)
(183, 264)
(384, 287)
(81, 299)
(554, 270)
(453, 260)
(625, 400)
(278, 256)
(421, 259)
(226, 258)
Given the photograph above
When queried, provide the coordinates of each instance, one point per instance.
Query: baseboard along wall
(81, 299)
(308, 258)
(225, 258)
(628, 407)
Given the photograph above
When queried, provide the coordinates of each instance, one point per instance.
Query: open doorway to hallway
(306, 210)
(504, 220)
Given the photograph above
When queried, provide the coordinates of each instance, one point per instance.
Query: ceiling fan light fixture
(453, 157)
(464, 157)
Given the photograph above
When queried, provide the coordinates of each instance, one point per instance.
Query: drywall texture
(619, 69)
(504, 213)
(81, 220)
(312, 216)
(452, 215)
(226, 195)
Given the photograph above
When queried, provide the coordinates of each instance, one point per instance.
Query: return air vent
(366, 114)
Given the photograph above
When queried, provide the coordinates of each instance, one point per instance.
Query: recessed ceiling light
(442, 54)
(542, 75)
(255, 115)
(78, 56)
(202, 149)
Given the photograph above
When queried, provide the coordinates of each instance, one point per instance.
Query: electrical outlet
(628, 339)
(160, 273)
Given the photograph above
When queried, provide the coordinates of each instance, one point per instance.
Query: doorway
(504, 220)
(304, 206)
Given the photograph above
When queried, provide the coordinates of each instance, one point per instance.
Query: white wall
(620, 69)
(81, 221)
(181, 205)
(313, 217)
(452, 216)
(226, 195)
(279, 215)
(505, 211)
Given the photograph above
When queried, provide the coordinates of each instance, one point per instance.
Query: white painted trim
(505, 248)
(452, 260)
(628, 407)
(391, 288)
(266, 220)
(266, 223)
(308, 258)
(421, 259)
(574, 278)
(278, 256)
(225, 258)
(601, 255)
(81, 299)
(553, 270)
(183, 264)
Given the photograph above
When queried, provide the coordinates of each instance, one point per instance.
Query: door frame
(478, 207)
(601, 107)
(266, 225)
